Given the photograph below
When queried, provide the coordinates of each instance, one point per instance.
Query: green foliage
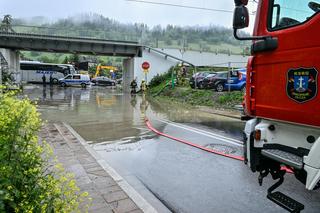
(7, 77)
(92, 70)
(65, 60)
(34, 54)
(27, 182)
(46, 59)
(196, 97)
(231, 97)
(74, 58)
(160, 78)
(191, 96)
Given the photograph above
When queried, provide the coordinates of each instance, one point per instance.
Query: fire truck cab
(285, 129)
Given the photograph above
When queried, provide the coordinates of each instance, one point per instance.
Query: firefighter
(183, 75)
(133, 86)
(51, 80)
(143, 86)
(44, 80)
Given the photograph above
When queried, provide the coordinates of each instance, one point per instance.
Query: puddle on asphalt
(115, 120)
(223, 148)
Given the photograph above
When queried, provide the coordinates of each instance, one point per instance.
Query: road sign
(145, 65)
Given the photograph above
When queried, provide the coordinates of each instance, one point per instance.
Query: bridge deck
(34, 42)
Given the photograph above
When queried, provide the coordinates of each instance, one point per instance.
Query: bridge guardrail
(75, 33)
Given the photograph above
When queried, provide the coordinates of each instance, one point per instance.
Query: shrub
(231, 97)
(27, 182)
(158, 79)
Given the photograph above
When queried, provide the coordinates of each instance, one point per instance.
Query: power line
(183, 6)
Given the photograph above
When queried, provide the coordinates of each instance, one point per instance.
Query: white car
(75, 79)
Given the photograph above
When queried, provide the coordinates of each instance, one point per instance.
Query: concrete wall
(128, 73)
(160, 64)
(13, 59)
(208, 58)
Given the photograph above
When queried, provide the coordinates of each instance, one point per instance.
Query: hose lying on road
(235, 157)
(240, 158)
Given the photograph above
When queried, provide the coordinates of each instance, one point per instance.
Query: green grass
(196, 97)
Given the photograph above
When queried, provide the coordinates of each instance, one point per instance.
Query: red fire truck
(282, 92)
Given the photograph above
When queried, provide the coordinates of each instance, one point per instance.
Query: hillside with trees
(201, 38)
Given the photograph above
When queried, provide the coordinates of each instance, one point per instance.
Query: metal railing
(76, 33)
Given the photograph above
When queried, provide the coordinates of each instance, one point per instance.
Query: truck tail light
(257, 135)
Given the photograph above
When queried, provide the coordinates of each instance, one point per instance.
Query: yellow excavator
(99, 67)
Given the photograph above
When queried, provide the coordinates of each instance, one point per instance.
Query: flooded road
(170, 175)
(105, 114)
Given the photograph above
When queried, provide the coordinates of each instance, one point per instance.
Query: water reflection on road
(101, 114)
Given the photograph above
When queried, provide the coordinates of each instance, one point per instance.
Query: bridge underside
(31, 42)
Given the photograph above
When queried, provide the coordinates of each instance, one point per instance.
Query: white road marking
(203, 132)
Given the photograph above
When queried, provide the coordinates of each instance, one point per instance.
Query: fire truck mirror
(240, 17)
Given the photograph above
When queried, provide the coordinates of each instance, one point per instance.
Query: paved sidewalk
(107, 196)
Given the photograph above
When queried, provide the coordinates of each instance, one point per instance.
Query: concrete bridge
(160, 59)
(46, 43)
(11, 43)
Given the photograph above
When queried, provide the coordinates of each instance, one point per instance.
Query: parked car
(198, 77)
(237, 80)
(75, 79)
(102, 80)
(216, 81)
(119, 81)
(220, 82)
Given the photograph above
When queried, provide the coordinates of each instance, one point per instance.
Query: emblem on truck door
(302, 84)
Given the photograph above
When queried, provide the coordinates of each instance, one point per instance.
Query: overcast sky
(126, 11)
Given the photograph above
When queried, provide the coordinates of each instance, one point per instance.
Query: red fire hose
(235, 157)
(240, 158)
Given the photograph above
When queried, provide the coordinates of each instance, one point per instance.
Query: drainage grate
(222, 148)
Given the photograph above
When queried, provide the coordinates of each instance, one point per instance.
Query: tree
(34, 54)
(74, 58)
(6, 24)
(65, 60)
(168, 41)
(46, 59)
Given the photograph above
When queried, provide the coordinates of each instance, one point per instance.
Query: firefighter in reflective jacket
(143, 86)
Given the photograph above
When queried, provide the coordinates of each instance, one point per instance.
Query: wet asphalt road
(184, 178)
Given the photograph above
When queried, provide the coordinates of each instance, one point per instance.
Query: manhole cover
(222, 148)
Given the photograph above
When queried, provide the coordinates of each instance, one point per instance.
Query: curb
(124, 185)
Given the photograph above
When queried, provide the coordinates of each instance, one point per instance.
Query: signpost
(145, 67)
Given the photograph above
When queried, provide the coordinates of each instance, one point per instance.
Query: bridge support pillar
(128, 74)
(12, 59)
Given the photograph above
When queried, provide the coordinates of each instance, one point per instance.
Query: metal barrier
(75, 33)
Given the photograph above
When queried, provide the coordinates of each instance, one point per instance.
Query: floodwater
(102, 114)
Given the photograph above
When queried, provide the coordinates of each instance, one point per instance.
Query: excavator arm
(99, 67)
